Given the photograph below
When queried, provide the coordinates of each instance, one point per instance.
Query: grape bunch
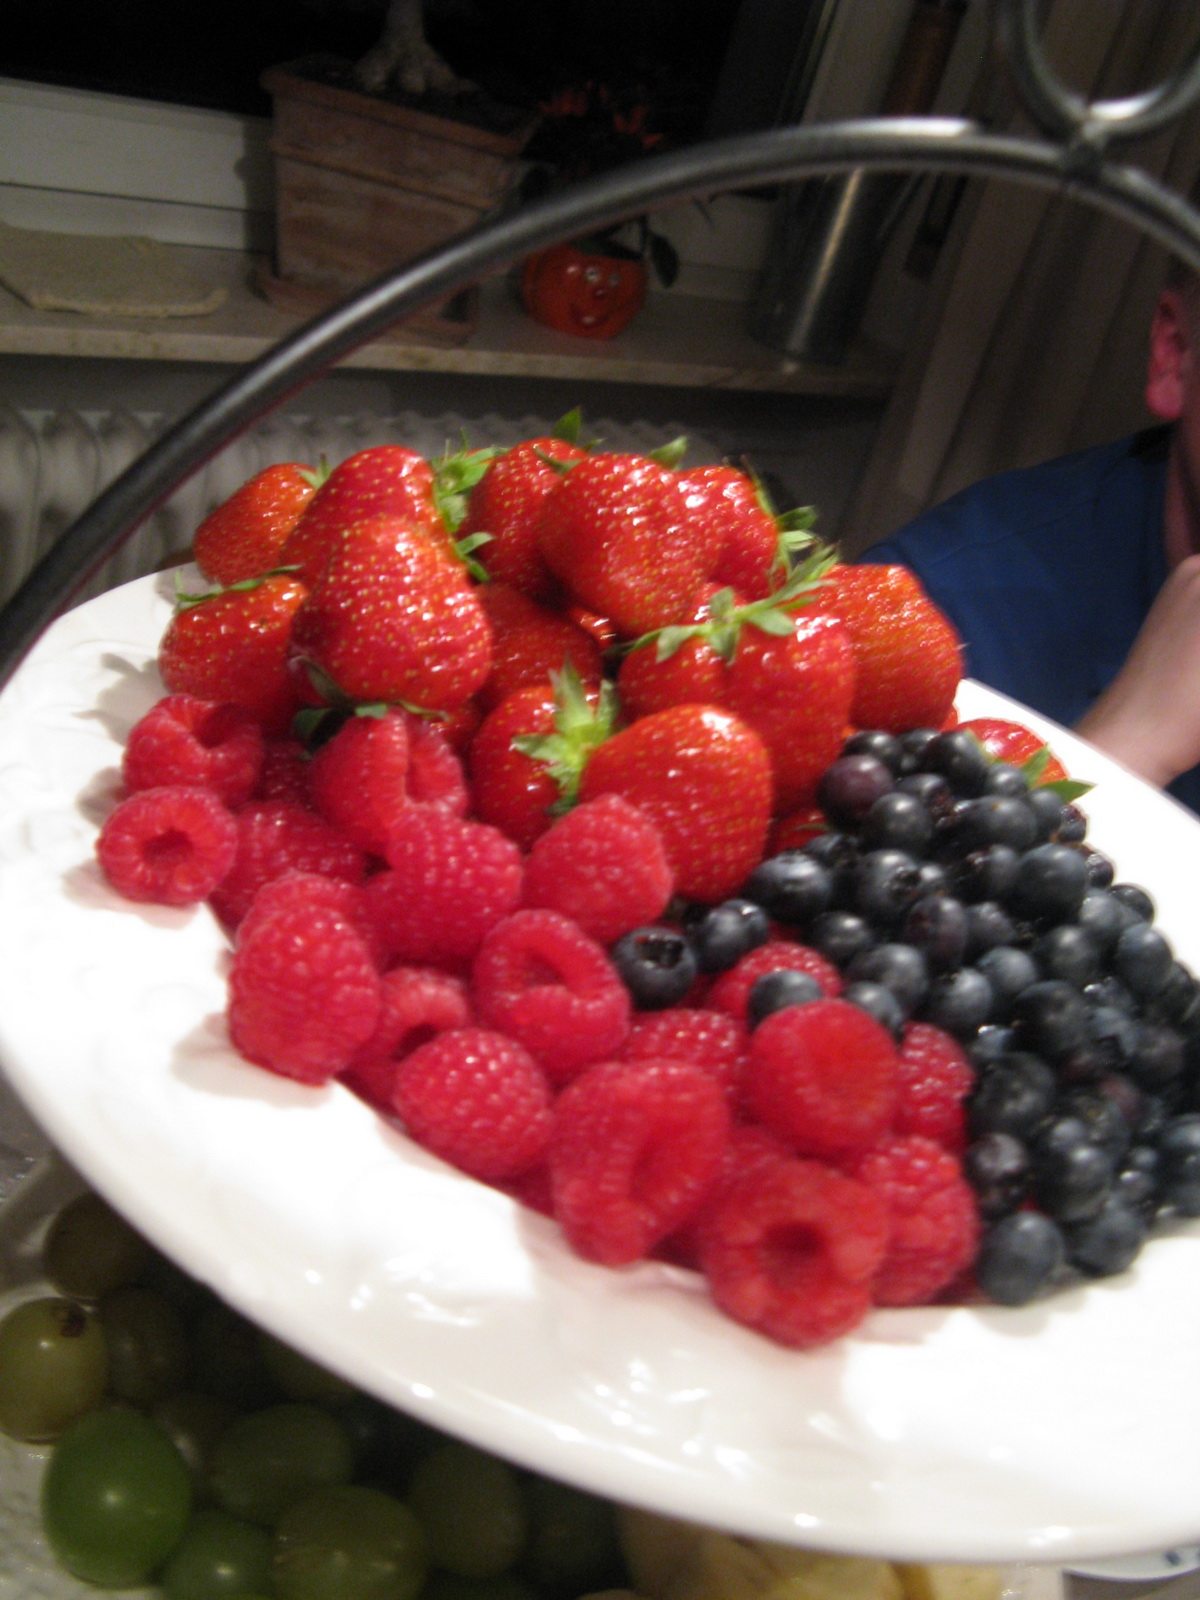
(194, 1451)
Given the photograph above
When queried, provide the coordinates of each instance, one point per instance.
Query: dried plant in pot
(367, 180)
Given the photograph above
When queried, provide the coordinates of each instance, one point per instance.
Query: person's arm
(1149, 716)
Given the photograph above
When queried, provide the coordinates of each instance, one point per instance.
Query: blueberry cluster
(945, 889)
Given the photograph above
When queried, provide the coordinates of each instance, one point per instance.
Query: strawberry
(704, 777)
(243, 536)
(529, 641)
(388, 478)
(615, 530)
(1019, 746)
(756, 546)
(233, 645)
(526, 758)
(907, 651)
(788, 675)
(394, 618)
(505, 505)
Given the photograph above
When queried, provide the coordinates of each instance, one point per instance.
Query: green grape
(449, 1586)
(194, 1422)
(573, 1547)
(471, 1507)
(228, 1358)
(297, 1376)
(90, 1250)
(217, 1558)
(267, 1459)
(116, 1498)
(351, 1541)
(148, 1350)
(53, 1366)
(387, 1444)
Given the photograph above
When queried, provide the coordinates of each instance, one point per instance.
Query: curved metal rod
(1064, 114)
(748, 161)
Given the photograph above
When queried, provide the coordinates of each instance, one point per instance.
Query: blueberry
(885, 884)
(897, 821)
(1102, 1117)
(1135, 898)
(1072, 829)
(1158, 1056)
(959, 1002)
(932, 790)
(1068, 952)
(1177, 997)
(1019, 1257)
(992, 819)
(849, 787)
(840, 936)
(1113, 1033)
(1104, 917)
(727, 932)
(1051, 1018)
(656, 965)
(1100, 871)
(898, 967)
(913, 744)
(987, 874)
(1137, 1182)
(1006, 779)
(996, 1165)
(937, 925)
(1050, 884)
(988, 925)
(1108, 1242)
(960, 758)
(877, 742)
(775, 991)
(1072, 1175)
(1047, 809)
(879, 1002)
(1142, 959)
(1013, 1095)
(792, 887)
(989, 1044)
(1009, 971)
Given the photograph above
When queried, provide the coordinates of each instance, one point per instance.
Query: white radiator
(54, 463)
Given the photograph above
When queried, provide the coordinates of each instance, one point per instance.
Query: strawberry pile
(518, 781)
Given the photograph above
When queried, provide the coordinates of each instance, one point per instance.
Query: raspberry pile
(577, 857)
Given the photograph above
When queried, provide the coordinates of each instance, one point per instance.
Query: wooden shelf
(677, 341)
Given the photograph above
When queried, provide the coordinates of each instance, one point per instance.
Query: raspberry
(435, 770)
(300, 889)
(476, 1099)
(934, 1078)
(636, 1147)
(731, 991)
(185, 740)
(304, 993)
(707, 1039)
(934, 1221)
(170, 845)
(541, 980)
(823, 1076)
(748, 1147)
(359, 778)
(790, 1249)
(274, 837)
(284, 774)
(418, 1003)
(448, 881)
(603, 865)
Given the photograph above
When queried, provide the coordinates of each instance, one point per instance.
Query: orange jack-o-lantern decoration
(577, 291)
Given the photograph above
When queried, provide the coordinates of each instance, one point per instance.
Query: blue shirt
(1048, 573)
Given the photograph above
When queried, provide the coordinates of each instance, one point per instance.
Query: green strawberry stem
(580, 727)
(184, 601)
(455, 474)
(773, 615)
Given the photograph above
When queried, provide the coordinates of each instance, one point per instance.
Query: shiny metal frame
(1071, 157)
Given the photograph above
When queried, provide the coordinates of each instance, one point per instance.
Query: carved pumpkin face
(575, 291)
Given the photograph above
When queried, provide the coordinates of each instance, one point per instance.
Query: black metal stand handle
(1072, 160)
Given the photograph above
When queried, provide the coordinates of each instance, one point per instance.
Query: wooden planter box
(363, 184)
